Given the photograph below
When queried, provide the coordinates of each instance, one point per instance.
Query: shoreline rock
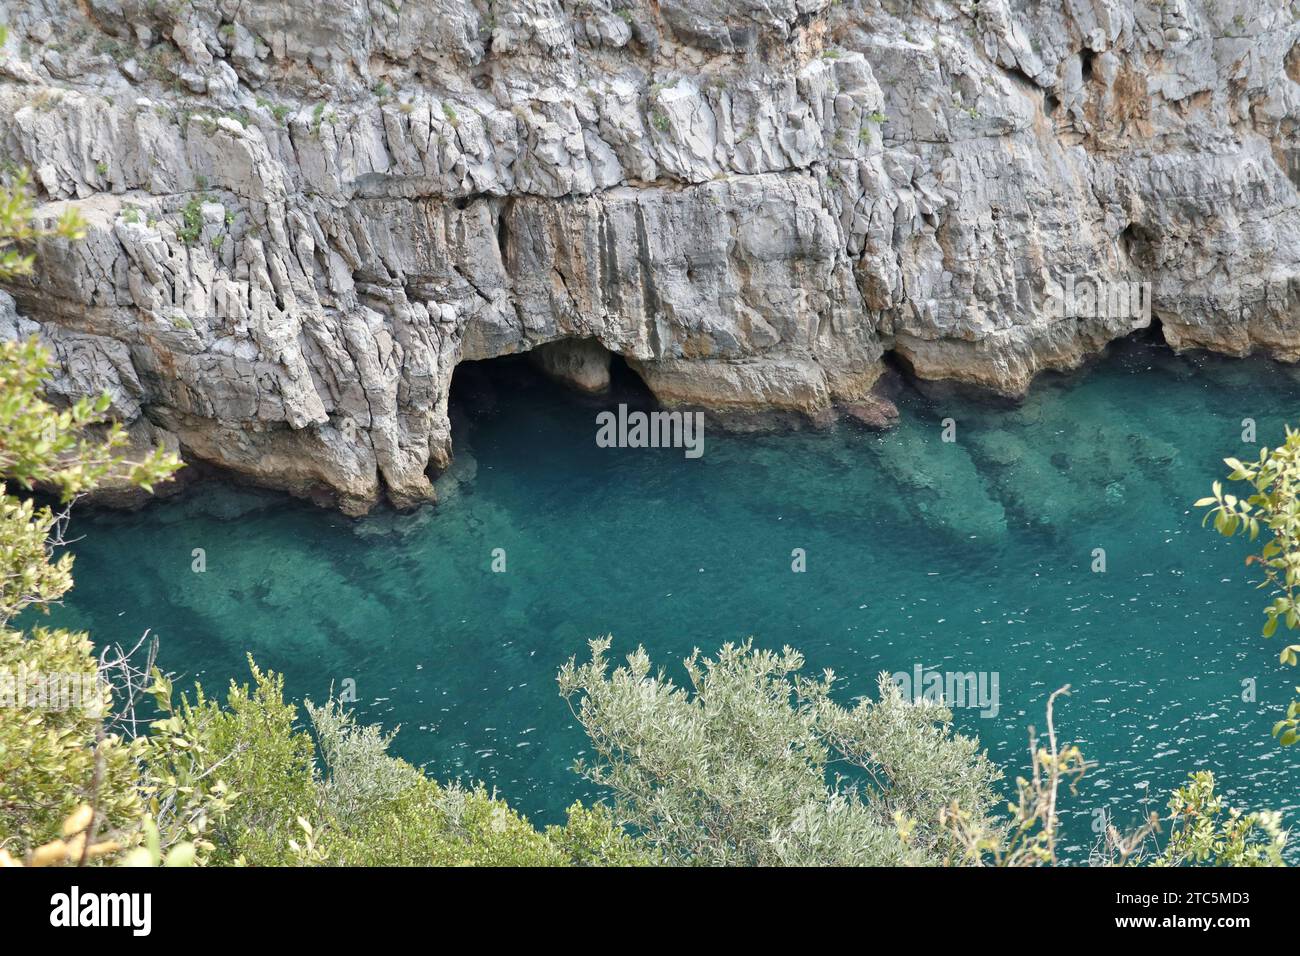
(303, 217)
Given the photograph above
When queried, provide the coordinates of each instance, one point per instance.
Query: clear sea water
(974, 555)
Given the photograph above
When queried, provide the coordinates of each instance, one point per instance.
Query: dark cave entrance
(1085, 65)
(487, 387)
(1153, 334)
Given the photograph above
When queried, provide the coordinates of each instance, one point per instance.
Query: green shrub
(734, 771)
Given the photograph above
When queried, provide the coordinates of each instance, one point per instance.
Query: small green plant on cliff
(192, 219)
(112, 48)
(46, 100)
(279, 111)
(317, 117)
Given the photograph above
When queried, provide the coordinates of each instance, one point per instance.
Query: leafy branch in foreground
(1273, 505)
(1202, 829)
(1031, 837)
(41, 445)
(63, 449)
(66, 772)
(19, 229)
(70, 450)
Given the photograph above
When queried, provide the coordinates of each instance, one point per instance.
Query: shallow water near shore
(967, 556)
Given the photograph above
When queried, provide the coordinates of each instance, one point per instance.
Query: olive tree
(755, 764)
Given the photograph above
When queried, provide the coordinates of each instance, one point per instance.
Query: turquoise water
(967, 556)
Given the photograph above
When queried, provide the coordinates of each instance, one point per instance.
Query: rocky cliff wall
(303, 215)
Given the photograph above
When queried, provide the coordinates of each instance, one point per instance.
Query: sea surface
(975, 555)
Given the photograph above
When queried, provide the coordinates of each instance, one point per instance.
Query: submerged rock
(303, 216)
(873, 411)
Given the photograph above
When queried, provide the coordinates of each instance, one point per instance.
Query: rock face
(303, 215)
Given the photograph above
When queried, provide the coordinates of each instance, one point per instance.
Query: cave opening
(1085, 65)
(564, 373)
(1153, 334)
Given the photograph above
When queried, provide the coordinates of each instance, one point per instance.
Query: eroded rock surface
(304, 215)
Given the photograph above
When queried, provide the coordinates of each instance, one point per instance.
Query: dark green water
(970, 556)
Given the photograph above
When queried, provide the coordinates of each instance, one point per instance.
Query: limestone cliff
(305, 214)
